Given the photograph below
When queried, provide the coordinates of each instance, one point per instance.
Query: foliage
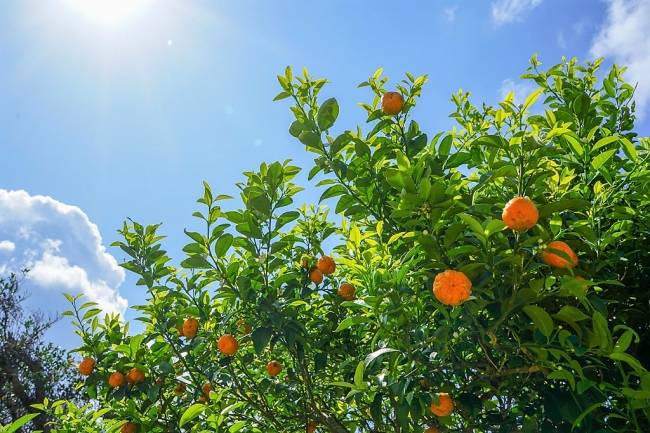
(30, 370)
(531, 351)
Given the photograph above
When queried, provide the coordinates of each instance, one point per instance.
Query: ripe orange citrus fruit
(346, 290)
(228, 345)
(432, 430)
(206, 388)
(392, 103)
(128, 427)
(551, 258)
(247, 328)
(87, 366)
(311, 426)
(116, 379)
(136, 375)
(520, 214)
(180, 388)
(190, 327)
(316, 276)
(425, 383)
(452, 287)
(326, 265)
(273, 368)
(445, 405)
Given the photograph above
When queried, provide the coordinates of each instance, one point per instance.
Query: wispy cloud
(521, 89)
(450, 13)
(60, 246)
(561, 42)
(623, 38)
(507, 11)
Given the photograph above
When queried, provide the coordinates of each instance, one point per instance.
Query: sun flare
(108, 12)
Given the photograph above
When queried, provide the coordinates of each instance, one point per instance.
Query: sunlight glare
(108, 12)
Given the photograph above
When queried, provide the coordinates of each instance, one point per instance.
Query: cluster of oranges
(326, 266)
(519, 214)
(135, 375)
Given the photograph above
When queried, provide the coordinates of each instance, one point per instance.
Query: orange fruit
(392, 103)
(311, 426)
(550, 258)
(116, 379)
(228, 345)
(206, 388)
(452, 287)
(273, 368)
(247, 328)
(136, 375)
(305, 261)
(346, 290)
(316, 276)
(87, 366)
(425, 383)
(432, 430)
(202, 399)
(190, 327)
(445, 405)
(520, 214)
(326, 265)
(128, 427)
(180, 388)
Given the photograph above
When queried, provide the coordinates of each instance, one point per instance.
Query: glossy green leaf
(542, 320)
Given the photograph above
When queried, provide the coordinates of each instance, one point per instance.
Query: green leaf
(601, 159)
(343, 384)
(21, 421)
(472, 223)
(574, 143)
(358, 374)
(630, 360)
(609, 87)
(223, 244)
(445, 146)
(559, 206)
(601, 329)
(629, 149)
(261, 337)
(327, 114)
(400, 180)
(195, 262)
(563, 375)
(530, 100)
(191, 413)
(310, 139)
(624, 341)
(237, 426)
(376, 354)
(604, 142)
(351, 321)
(541, 319)
(281, 95)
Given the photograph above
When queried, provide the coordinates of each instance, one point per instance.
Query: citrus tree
(485, 279)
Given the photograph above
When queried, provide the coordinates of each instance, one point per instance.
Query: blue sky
(114, 110)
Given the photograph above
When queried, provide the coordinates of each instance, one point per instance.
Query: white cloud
(623, 38)
(450, 13)
(507, 11)
(522, 89)
(7, 246)
(61, 247)
(561, 42)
